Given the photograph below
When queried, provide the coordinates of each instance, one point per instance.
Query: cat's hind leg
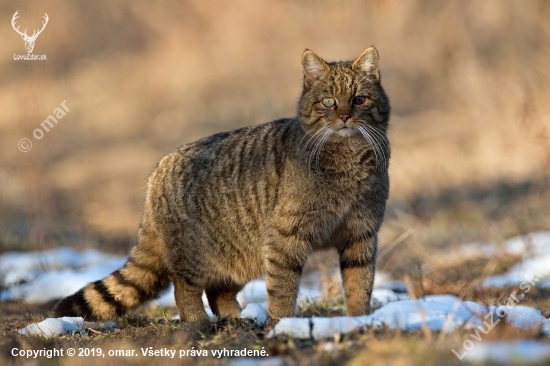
(223, 300)
(189, 300)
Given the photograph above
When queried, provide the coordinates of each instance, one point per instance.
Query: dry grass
(152, 327)
(470, 132)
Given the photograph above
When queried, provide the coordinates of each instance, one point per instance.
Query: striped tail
(143, 277)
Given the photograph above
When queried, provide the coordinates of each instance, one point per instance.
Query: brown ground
(151, 327)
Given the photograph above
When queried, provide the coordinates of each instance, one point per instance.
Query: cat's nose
(344, 117)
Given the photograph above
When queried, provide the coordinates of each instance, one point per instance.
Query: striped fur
(226, 209)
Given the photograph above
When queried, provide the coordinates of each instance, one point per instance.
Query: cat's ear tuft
(368, 62)
(315, 68)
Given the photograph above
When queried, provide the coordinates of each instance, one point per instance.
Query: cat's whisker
(378, 148)
(302, 139)
(381, 139)
(376, 131)
(307, 142)
(312, 152)
(318, 137)
(311, 139)
(316, 147)
(305, 135)
(370, 140)
(320, 150)
(324, 139)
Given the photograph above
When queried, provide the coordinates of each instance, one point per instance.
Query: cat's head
(344, 98)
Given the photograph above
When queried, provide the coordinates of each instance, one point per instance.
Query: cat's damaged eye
(359, 100)
(329, 102)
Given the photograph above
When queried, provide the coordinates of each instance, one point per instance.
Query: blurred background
(469, 83)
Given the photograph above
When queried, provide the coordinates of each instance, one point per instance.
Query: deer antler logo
(29, 41)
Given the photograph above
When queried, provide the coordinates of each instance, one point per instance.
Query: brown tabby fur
(226, 209)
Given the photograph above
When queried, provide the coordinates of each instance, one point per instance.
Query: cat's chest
(347, 181)
(317, 207)
(330, 192)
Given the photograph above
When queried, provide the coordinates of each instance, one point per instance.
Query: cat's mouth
(344, 126)
(346, 131)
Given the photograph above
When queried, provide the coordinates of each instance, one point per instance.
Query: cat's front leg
(284, 258)
(357, 264)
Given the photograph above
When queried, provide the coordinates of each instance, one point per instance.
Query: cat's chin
(347, 132)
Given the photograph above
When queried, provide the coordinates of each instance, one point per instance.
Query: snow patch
(436, 312)
(63, 326)
(546, 327)
(535, 249)
(54, 327)
(58, 283)
(505, 353)
(19, 267)
(522, 317)
(254, 312)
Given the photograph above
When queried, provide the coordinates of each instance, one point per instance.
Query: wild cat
(231, 207)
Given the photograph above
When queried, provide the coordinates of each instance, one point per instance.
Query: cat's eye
(329, 102)
(359, 100)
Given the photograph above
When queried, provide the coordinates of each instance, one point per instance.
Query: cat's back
(229, 176)
(251, 144)
(248, 154)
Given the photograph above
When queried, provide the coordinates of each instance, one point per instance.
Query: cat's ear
(315, 68)
(368, 62)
